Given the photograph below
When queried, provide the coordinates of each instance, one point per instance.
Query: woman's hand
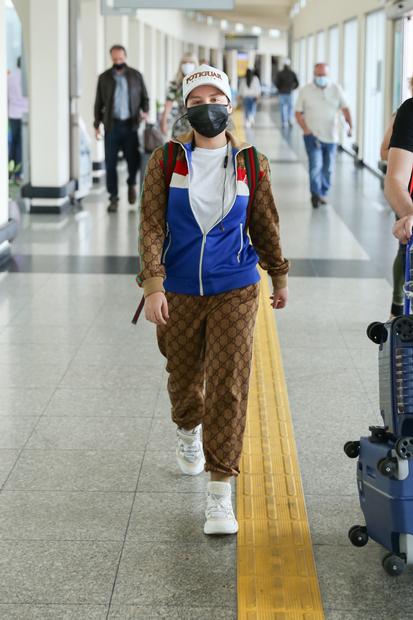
(402, 229)
(156, 309)
(279, 298)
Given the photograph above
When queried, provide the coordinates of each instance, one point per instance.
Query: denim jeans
(15, 144)
(286, 108)
(121, 138)
(321, 158)
(250, 107)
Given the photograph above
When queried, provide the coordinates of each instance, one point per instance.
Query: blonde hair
(188, 57)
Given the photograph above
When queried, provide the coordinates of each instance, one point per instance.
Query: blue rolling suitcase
(384, 473)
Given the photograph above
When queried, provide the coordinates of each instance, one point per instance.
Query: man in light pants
(317, 110)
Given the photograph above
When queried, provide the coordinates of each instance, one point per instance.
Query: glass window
(350, 75)
(333, 53)
(374, 88)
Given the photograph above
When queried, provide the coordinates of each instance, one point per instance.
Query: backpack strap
(170, 152)
(252, 165)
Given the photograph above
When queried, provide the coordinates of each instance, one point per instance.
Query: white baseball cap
(206, 75)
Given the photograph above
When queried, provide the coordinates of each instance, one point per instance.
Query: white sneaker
(189, 451)
(220, 518)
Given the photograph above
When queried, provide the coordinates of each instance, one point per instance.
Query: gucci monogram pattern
(152, 227)
(265, 229)
(207, 342)
(264, 222)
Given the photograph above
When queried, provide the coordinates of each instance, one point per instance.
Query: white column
(136, 44)
(116, 31)
(170, 58)
(133, 42)
(93, 63)
(266, 69)
(150, 72)
(232, 68)
(161, 82)
(4, 178)
(217, 58)
(49, 106)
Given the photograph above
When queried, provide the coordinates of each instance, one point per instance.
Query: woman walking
(250, 91)
(200, 241)
(174, 105)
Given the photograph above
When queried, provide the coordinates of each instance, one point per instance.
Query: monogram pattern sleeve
(264, 228)
(152, 226)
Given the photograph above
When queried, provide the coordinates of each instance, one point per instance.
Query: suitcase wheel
(377, 332)
(404, 447)
(352, 449)
(358, 535)
(393, 565)
(387, 467)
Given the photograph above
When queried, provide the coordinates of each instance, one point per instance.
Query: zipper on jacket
(204, 234)
(242, 242)
(201, 286)
(168, 232)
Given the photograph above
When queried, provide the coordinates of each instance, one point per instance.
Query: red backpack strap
(170, 152)
(253, 167)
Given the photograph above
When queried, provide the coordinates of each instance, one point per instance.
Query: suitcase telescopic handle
(408, 275)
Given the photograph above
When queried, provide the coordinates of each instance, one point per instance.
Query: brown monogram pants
(208, 346)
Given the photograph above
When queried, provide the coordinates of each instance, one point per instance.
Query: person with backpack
(208, 217)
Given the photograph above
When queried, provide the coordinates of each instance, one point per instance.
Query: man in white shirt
(317, 110)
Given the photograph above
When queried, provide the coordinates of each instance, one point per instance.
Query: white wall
(182, 27)
(4, 183)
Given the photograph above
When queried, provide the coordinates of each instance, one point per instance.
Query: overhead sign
(193, 5)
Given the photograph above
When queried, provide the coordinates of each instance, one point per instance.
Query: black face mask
(119, 66)
(209, 119)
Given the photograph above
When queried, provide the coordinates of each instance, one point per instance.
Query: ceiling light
(256, 30)
(224, 24)
(239, 27)
(274, 33)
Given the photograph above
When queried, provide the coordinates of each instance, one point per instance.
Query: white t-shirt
(206, 185)
(320, 107)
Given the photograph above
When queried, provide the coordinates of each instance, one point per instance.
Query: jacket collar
(188, 137)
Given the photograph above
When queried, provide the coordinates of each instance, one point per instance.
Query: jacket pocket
(241, 243)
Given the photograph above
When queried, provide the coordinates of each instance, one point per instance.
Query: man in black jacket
(121, 102)
(286, 82)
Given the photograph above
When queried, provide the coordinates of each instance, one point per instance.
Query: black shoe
(315, 201)
(322, 200)
(113, 205)
(131, 194)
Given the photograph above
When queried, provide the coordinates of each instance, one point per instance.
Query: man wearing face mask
(317, 110)
(121, 102)
(200, 240)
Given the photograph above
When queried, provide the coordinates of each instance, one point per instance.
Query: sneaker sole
(195, 471)
(220, 528)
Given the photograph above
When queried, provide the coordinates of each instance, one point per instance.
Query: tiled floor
(95, 520)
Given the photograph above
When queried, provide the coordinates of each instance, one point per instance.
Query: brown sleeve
(264, 229)
(152, 226)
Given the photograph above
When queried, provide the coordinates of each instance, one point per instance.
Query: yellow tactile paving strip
(277, 578)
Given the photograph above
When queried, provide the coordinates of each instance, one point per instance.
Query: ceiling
(264, 13)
